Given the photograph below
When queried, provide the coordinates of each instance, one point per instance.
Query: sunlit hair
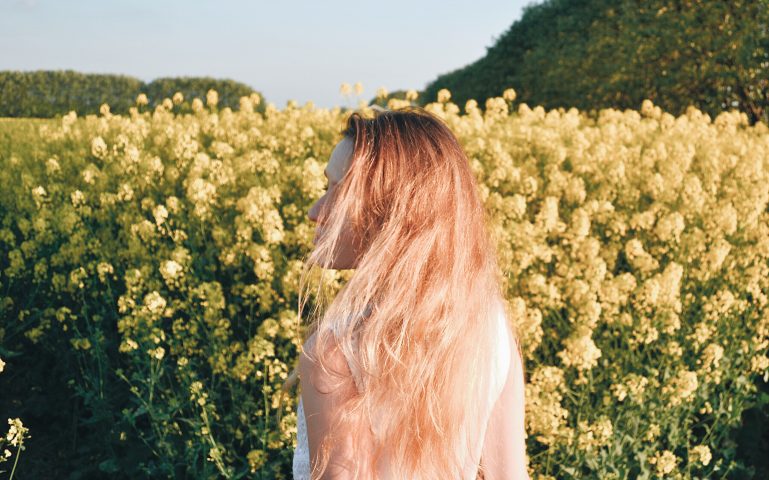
(421, 302)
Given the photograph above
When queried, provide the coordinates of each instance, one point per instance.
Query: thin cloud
(22, 4)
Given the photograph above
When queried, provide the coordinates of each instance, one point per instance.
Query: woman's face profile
(344, 256)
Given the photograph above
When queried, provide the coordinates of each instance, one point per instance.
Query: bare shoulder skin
(504, 446)
(322, 393)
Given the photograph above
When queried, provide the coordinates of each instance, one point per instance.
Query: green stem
(217, 460)
(18, 453)
(152, 377)
(98, 352)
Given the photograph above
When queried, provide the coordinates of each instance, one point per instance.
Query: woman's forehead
(340, 159)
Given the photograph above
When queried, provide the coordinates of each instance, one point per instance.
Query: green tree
(45, 93)
(593, 54)
(229, 91)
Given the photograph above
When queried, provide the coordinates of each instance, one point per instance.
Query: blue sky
(300, 50)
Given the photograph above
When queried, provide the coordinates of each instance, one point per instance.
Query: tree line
(46, 93)
(593, 54)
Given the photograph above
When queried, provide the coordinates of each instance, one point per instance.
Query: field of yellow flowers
(155, 256)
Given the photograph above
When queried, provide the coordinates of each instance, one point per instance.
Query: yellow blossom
(665, 462)
(103, 269)
(128, 345)
(157, 353)
(98, 147)
(580, 350)
(496, 106)
(638, 257)
(170, 269)
(80, 343)
(652, 432)
(256, 459)
(155, 302)
(17, 432)
(681, 388)
(212, 97)
(161, 214)
(52, 165)
(594, 435)
(77, 198)
(700, 454)
(619, 391)
(509, 94)
(246, 104)
(711, 356)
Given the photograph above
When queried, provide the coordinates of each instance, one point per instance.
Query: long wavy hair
(417, 316)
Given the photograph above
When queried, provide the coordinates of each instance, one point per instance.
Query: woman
(412, 372)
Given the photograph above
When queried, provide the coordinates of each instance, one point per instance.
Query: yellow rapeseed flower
(160, 213)
(170, 270)
(665, 462)
(128, 345)
(681, 388)
(157, 353)
(17, 432)
(99, 147)
(80, 343)
(246, 104)
(212, 97)
(701, 454)
(154, 302)
(580, 350)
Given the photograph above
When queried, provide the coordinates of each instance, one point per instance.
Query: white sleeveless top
(301, 460)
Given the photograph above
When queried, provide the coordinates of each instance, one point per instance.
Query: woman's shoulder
(334, 359)
(505, 345)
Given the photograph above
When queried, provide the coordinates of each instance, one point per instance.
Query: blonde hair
(422, 301)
